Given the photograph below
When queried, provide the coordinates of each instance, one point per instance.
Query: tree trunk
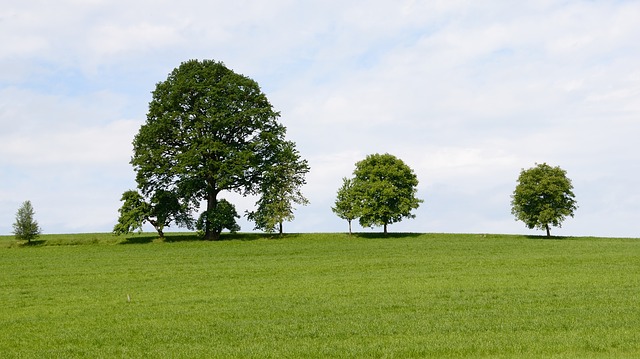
(211, 234)
(385, 228)
(157, 227)
(280, 227)
(548, 230)
(349, 226)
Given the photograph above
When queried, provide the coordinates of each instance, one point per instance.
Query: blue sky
(466, 93)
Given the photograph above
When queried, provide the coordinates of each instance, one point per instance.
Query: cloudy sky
(467, 93)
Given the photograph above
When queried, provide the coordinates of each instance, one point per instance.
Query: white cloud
(57, 130)
(68, 155)
(86, 146)
(112, 39)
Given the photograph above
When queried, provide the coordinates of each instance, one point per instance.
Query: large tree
(208, 130)
(346, 205)
(385, 188)
(280, 189)
(543, 197)
(25, 226)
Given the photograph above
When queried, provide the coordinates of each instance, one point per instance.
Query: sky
(466, 93)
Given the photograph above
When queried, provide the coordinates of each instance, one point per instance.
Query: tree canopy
(384, 190)
(280, 189)
(208, 130)
(25, 226)
(543, 197)
(224, 217)
(160, 210)
(346, 204)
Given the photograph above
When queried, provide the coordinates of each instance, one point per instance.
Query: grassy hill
(320, 295)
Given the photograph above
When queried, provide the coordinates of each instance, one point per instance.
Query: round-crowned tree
(543, 197)
(385, 190)
(208, 130)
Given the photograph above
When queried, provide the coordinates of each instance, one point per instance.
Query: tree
(160, 210)
(26, 227)
(224, 217)
(346, 205)
(208, 130)
(543, 197)
(385, 188)
(280, 189)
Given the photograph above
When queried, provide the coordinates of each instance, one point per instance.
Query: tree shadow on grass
(194, 237)
(139, 239)
(32, 243)
(182, 237)
(545, 238)
(388, 235)
(168, 238)
(248, 236)
(244, 237)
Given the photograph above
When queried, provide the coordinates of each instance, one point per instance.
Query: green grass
(320, 295)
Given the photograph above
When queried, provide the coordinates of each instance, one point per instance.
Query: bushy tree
(385, 190)
(26, 227)
(208, 130)
(280, 189)
(224, 217)
(347, 206)
(160, 210)
(543, 197)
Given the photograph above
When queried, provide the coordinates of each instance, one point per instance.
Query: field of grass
(320, 295)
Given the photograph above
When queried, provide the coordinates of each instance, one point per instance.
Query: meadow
(320, 296)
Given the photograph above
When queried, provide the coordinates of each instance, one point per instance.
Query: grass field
(320, 295)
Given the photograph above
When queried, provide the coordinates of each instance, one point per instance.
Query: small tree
(26, 227)
(385, 188)
(159, 211)
(224, 217)
(543, 197)
(280, 189)
(346, 205)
